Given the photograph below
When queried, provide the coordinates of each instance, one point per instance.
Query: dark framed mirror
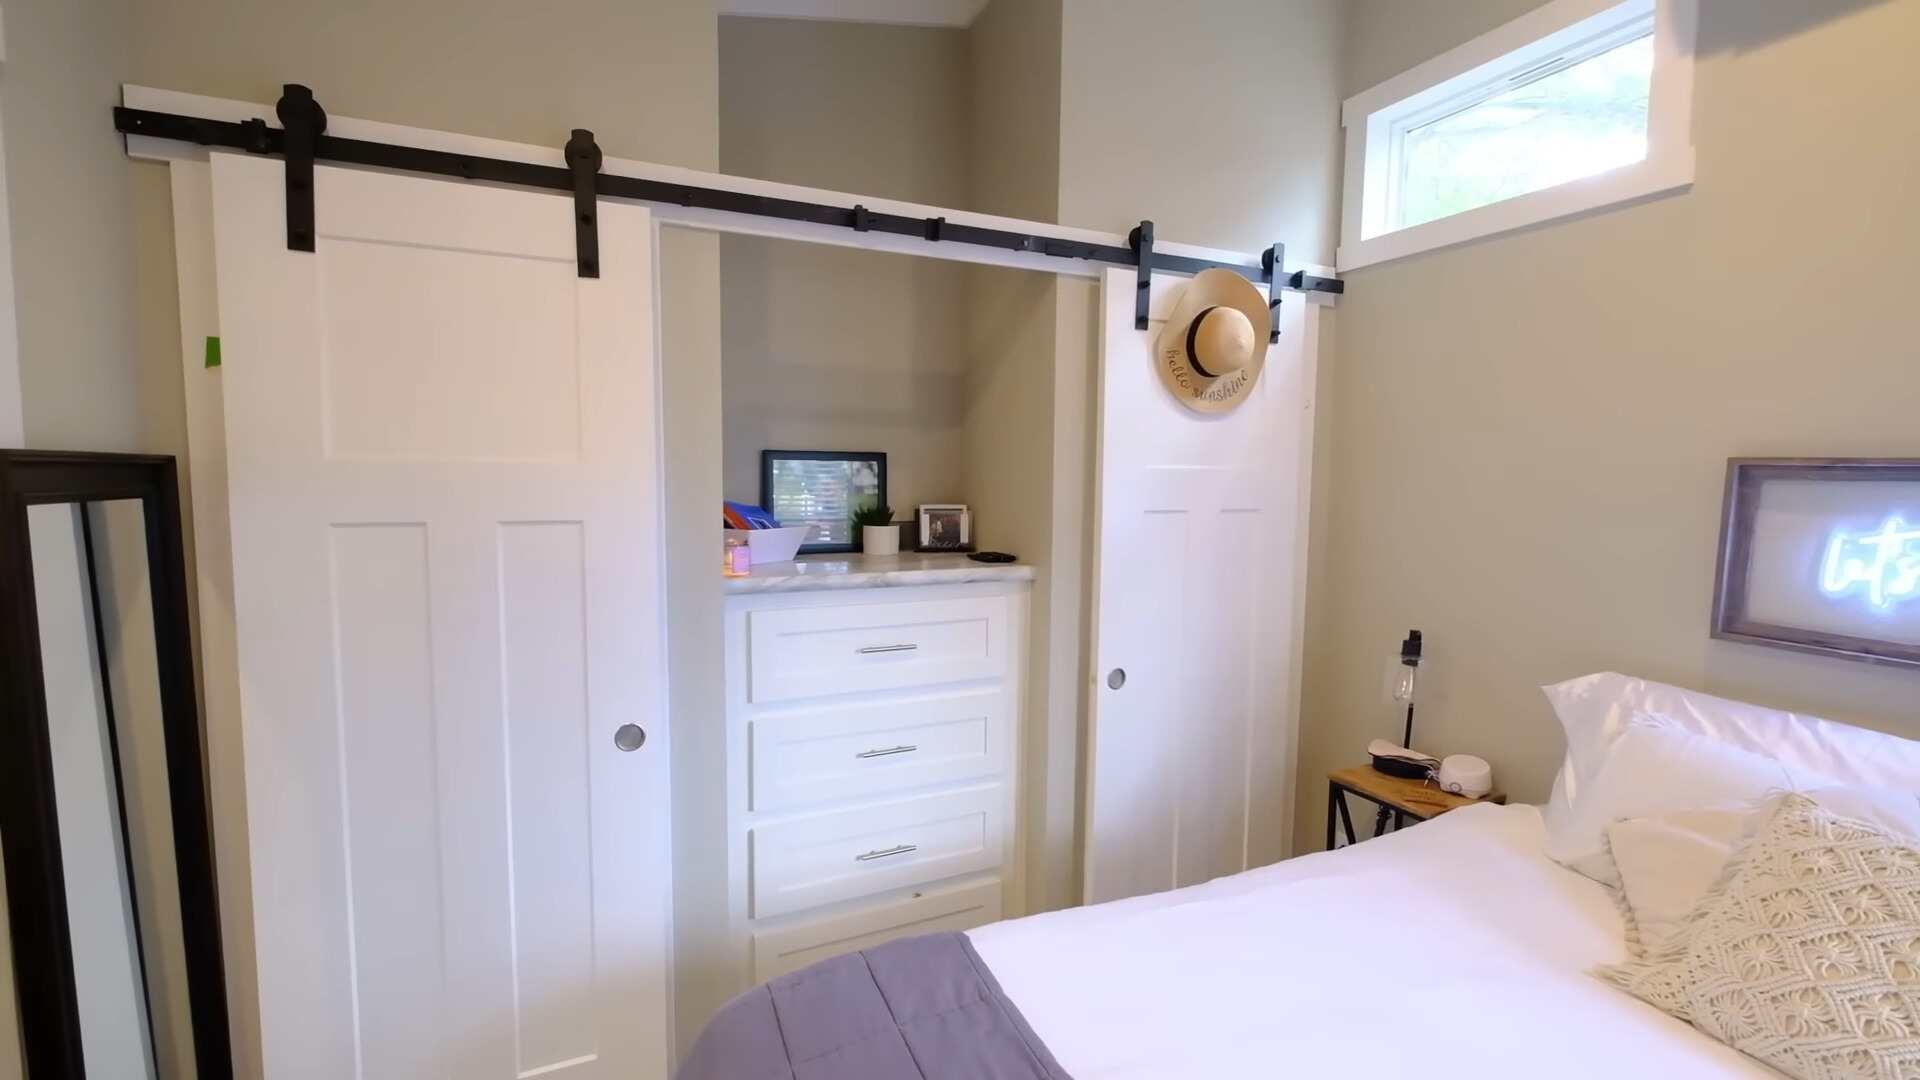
(112, 912)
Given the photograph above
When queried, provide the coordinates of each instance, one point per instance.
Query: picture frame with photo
(945, 527)
(822, 489)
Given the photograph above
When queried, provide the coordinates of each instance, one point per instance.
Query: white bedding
(1307, 970)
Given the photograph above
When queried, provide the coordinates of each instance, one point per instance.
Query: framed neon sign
(1822, 555)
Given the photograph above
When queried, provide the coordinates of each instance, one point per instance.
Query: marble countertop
(856, 571)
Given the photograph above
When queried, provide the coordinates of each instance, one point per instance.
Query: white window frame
(1376, 120)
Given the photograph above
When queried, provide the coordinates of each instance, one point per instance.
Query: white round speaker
(1464, 774)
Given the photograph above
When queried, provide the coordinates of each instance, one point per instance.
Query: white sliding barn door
(443, 468)
(1200, 565)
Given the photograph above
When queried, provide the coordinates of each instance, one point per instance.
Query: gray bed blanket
(922, 1008)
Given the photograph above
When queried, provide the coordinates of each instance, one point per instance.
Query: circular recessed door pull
(1116, 678)
(630, 737)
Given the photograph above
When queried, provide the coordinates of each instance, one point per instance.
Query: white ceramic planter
(880, 539)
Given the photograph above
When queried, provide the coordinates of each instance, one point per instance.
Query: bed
(1770, 862)
(1456, 943)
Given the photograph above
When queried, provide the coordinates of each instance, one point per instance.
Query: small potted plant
(878, 533)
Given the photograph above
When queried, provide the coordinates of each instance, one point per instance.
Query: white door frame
(206, 436)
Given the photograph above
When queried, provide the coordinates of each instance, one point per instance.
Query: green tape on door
(213, 352)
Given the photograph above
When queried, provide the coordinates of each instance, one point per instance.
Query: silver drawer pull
(887, 854)
(871, 649)
(889, 752)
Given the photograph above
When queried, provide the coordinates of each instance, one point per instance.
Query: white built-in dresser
(873, 719)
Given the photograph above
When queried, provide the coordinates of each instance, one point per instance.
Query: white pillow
(1655, 767)
(1595, 709)
(1669, 862)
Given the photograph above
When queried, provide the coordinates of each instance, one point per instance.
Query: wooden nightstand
(1399, 800)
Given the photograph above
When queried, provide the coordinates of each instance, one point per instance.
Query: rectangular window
(1563, 111)
(1571, 120)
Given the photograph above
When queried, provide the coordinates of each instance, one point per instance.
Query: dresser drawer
(960, 907)
(801, 652)
(868, 750)
(825, 858)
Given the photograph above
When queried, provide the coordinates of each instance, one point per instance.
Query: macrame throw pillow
(1806, 953)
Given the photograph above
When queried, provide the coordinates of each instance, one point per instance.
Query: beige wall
(12, 428)
(1013, 57)
(832, 348)
(1025, 429)
(81, 387)
(1219, 124)
(1530, 432)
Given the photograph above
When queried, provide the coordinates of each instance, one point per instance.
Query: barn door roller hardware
(584, 157)
(1273, 260)
(1142, 240)
(303, 140)
(303, 120)
(1271, 271)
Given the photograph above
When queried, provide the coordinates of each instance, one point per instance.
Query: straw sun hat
(1213, 345)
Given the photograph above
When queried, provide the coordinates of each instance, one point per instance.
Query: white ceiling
(904, 12)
